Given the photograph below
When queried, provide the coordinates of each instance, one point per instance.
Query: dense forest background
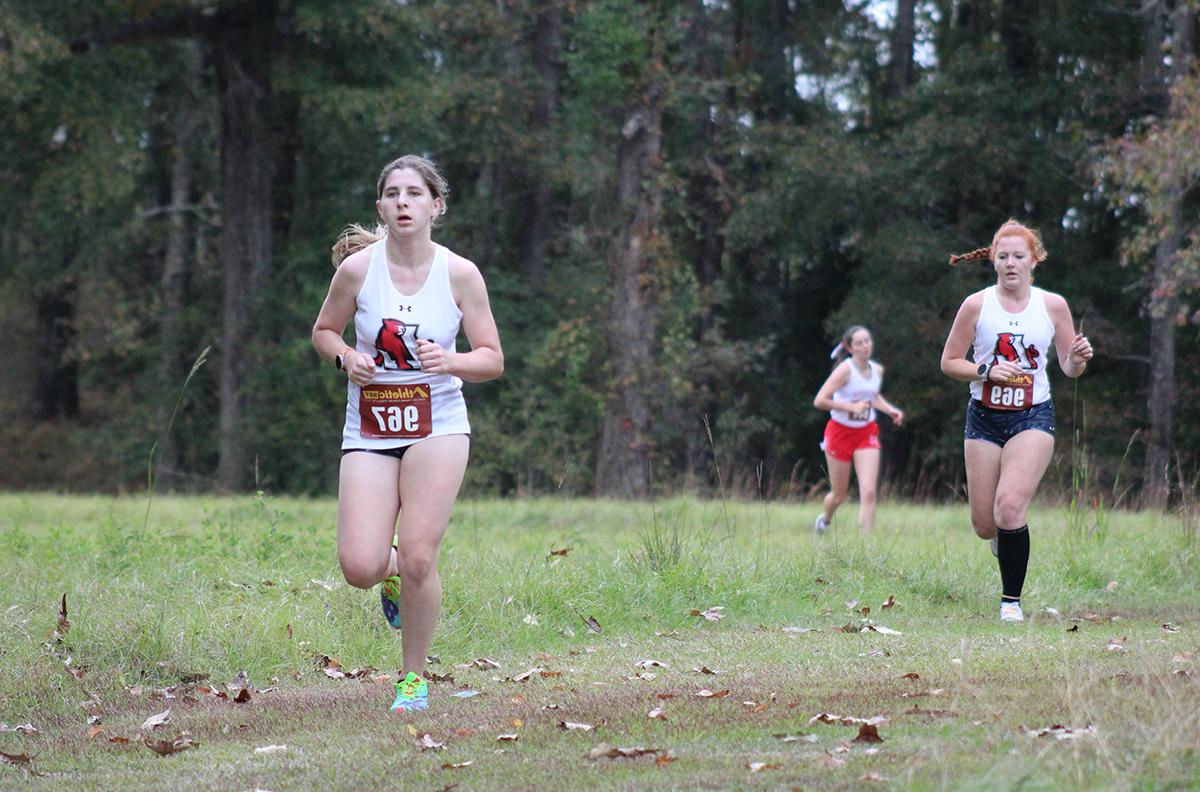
(678, 206)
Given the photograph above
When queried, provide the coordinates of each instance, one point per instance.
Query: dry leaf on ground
(756, 767)
(270, 749)
(154, 721)
(569, 726)
(868, 733)
(606, 751)
(427, 743)
(168, 747)
(1060, 732)
(705, 693)
(711, 614)
(457, 765)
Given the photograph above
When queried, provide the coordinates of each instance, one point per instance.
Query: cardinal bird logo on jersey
(396, 346)
(1011, 347)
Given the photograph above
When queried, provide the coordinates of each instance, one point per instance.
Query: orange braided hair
(978, 253)
(1011, 227)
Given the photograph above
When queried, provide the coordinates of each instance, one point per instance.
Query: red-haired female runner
(851, 395)
(405, 439)
(1009, 434)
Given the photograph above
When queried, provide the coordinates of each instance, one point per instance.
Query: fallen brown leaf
(650, 664)
(868, 733)
(561, 552)
(168, 747)
(63, 624)
(706, 670)
(22, 761)
(705, 693)
(93, 731)
(457, 765)
(606, 751)
(756, 767)
(592, 624)
(889, 602)
(911, 675)
(507, 737)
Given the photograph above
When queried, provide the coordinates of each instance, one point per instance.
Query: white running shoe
(1011, 612)
(820, 526)
(994, 543)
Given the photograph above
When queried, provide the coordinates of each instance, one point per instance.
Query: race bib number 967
(1013, 394)
(400, 412)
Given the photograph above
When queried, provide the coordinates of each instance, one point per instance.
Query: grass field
(165, 613)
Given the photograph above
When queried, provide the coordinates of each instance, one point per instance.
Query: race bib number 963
(1014, 394)
(400, 412)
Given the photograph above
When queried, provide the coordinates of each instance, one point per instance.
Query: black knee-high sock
(1013, 551)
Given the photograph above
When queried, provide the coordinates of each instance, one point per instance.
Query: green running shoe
(412, 693)
(389, 598)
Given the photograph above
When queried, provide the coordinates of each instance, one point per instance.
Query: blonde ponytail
(353, 239)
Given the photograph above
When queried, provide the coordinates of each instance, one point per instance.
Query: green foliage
(800, 197)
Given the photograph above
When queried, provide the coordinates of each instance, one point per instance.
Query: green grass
(218, 586)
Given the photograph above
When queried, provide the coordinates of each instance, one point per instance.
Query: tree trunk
(548, 66)
(900, 70)
(626, 444)
(1164, 296)
(1018, 33)
(172, 354)
(709, 210)
(242, 52)
(56, 375)
(761, 32)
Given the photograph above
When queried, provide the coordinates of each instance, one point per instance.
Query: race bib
(400, 412)
(1013, 394)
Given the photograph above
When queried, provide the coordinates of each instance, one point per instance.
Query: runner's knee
(1010, 510)
(362, 573)
(416, 564)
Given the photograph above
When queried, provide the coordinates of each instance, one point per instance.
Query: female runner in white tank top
(851, 395)
(1009, 435)
(405, 439)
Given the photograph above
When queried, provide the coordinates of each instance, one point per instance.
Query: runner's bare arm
(960, 341)
(1073, 349)
(836, 379)
(337, 311)
(485, 360)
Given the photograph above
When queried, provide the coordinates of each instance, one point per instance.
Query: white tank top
(1021, 337)
(386, 326)
(858, 388)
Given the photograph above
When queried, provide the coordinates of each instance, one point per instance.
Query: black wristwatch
(983, 371)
